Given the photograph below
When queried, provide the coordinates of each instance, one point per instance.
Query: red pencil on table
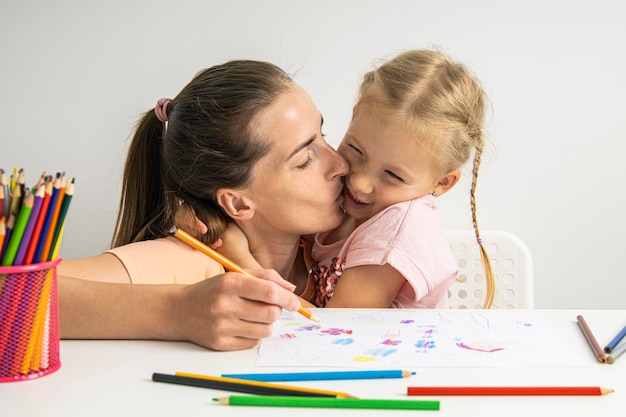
(508, 391)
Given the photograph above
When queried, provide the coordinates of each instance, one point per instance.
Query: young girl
(416, 122)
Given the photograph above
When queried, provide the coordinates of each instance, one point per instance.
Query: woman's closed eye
(306, 163)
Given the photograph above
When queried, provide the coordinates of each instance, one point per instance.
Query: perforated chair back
(512, 265)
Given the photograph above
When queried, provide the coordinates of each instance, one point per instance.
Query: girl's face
(386, 166)
(297, 186)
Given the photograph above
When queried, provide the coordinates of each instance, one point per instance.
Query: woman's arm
(228, 312)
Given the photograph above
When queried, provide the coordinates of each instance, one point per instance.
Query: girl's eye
(306, 164)
(394, 176)
(355, 149)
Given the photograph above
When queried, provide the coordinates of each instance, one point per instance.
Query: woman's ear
(446, 182)
(235, 204)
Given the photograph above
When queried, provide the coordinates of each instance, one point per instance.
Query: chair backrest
(512, 265)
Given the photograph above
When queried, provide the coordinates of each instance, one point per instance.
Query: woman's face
(297, 187)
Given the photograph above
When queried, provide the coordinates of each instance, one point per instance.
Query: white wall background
(75, 75)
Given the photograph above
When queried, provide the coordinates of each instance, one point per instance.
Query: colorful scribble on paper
(412, 338)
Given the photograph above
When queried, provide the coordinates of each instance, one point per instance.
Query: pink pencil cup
(29, 332)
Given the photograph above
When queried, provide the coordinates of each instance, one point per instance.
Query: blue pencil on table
(319, 376)
(613, 343)
(619, 349)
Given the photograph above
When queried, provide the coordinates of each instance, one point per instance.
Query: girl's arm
(367, 286)
(234, 246)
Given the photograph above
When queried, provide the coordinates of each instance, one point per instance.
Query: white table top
(112, 378)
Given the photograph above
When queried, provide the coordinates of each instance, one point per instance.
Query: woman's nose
(338, 166)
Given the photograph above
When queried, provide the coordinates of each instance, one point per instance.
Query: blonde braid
(484, 256)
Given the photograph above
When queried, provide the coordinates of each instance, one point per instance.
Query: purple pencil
(21, 253)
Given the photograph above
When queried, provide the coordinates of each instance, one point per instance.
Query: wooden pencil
(508, 391)
(18, 231)
(593, 343)
(615, 353)
(321, 376)
(41, 218)
(238, 385)
(67, 198)
(55, 210)
(282, 401)
(30, 227)
(615, 341)
(227, 263)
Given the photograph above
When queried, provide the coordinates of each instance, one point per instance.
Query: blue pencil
(609, 348)
(319, 376)
(619, 349)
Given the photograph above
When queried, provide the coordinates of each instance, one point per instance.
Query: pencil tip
(610, 360)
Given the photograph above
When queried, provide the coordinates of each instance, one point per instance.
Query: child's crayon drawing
(413, 338)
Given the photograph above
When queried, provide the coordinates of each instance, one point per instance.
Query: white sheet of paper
(415, 338)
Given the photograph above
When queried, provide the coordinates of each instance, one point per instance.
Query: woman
(241, 142)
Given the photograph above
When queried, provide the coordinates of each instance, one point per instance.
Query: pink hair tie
(161, 109)
(479, 241)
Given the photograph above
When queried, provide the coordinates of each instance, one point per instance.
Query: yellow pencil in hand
(227, 263)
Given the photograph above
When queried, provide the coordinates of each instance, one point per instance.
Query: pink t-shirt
(165, 261)
(408, 236)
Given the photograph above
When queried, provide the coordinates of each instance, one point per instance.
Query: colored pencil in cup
(613, 343)
(20, 227)
(239, 385)
(67, 198)
(41, 218)
(30, 227)
(49, 219)
(3, 232)
(55, 210)
(508, 391)
(320, 376)
(227, 263)
(591, 339)
(317, 402)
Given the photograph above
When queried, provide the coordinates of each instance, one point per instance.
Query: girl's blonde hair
(442, 105)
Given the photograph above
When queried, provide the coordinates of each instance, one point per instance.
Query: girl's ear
(446, 182)
(235, 204)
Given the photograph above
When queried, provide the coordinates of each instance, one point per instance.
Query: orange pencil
(227, 263)
(67, 198)
(508, 391)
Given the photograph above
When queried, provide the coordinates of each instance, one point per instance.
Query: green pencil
(324, 402)
(18, 230)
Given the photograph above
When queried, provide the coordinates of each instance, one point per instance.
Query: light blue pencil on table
(319, 376)
(619, 349)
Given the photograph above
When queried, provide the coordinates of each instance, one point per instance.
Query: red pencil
(508, 391)
(36, 236)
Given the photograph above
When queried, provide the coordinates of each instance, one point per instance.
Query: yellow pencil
(261, 386)
(227, 263)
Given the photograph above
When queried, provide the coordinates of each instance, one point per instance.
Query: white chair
(512, 265)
